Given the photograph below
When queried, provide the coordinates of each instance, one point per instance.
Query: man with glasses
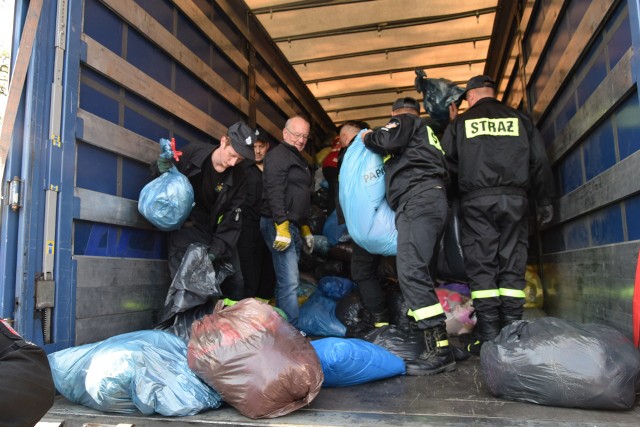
(285, 210)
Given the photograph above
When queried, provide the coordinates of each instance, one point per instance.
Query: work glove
(283, 237)
(164, 164)
(544, 214)
(308, 239)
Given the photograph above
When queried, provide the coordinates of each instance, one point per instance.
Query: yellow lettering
(492, 127)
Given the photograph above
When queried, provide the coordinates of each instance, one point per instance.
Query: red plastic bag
(255, 360)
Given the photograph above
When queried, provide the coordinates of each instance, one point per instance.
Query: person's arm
(392, 137)
(275, 184)
(450, 148)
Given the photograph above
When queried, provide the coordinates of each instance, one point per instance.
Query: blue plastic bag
(347, 362)
(333, 231)
(335, 287)
(143, 370)
(166, 201)
(318, 317)
(369, 219)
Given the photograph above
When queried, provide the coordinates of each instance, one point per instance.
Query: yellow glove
(308, 239)
(283, 237)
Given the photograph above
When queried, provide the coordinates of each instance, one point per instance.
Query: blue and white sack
(166, 201)
(369, 218)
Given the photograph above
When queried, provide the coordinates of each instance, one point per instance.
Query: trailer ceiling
(357, 57)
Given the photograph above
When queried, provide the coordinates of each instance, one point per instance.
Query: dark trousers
(179, 241)
(364, 272)
(420, 221)
(256, 263)
(494, 234)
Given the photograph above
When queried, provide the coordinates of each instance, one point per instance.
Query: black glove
(164, 164)
(544, 214)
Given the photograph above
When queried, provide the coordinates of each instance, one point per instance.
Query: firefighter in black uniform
(415, 179)
(496, 153)
(219, 189)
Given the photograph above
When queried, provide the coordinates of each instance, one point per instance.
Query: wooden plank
(269, 126)
(606, 96)
(594, 17)
(118, 300)
(109, 136)
(543, 37)
(142, 21)
(281, 68)
(603, 293)
(107, 209)
(194, 13)
(19, 75)
(610, 186)
(94, 329)
(105, 271)
(114, 67)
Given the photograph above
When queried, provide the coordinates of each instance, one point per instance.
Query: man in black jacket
(219, 190)
(285, 211)
(415, 179)
(255, 257)
(496, 154)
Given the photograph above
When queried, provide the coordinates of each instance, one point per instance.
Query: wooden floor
(458, 398)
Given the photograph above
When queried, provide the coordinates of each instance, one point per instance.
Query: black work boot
(436, 357)
(487, 328)
(507, 319)
(380, 318)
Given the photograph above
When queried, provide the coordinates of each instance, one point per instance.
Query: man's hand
(453, 111)
(544, 214)
(308, 239)
(283, 237)
(164, 164)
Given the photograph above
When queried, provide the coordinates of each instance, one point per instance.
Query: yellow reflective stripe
(426, 312)
(492, 127)
(443, 343)
(220, 219)
(385, 158)
(381, 324)
(515, 293)
(229, 302)
(489, 293)
(433, 140)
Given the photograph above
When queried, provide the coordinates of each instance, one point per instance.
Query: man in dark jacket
(415, 179)
(219, 189)
(255, 257)
(285, 211)
(496, 153)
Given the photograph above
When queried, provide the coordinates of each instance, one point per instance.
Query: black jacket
(287, 186)
(223, 220)
(253, 195)
(494, 147)
(416, 160)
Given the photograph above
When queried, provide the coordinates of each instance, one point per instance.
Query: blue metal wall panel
(97, 169)
(606, 226)
(145, 56)
(103, 26)
(632, 211)
(599, 150)
(627, 117)
(161, 10)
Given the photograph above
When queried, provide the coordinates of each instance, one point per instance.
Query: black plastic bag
(351, 313)
(438, 95)
(450, 262)
(196, 282)
(406, 344)
(555, 362)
